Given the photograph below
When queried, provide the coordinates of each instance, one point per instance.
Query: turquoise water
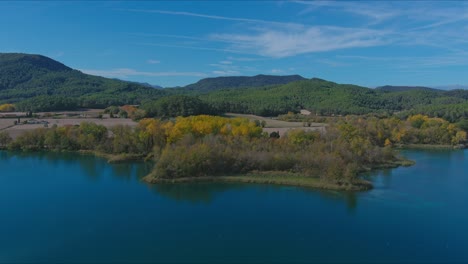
(57, 208)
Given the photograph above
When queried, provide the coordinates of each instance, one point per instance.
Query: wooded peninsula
(214, 148)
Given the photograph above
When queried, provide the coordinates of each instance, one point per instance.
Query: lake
(57, 208)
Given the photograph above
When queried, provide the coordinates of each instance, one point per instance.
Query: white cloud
(225, 62)
(434, 24)
(278, 43)
(226, 72)
(277, 71)
(126, 72)
(153, 61)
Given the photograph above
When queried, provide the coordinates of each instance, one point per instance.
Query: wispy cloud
(244, 59)
(408, 62)
(332, 63)
(153, 61)
(273, 42)
(227, 67)
(406, 24)
(377, 13)
(226, 72)
(189, 47)
(216, 17)
(277, 71)
(126, 72)
(58, 54)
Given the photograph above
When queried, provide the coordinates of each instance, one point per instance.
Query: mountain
(149, 85)
(218, 83)
(452, 87)
(41, 83)
(391, 88)
(141, 83)
(328, 98)
(38, 83)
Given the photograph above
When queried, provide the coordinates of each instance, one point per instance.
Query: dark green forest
(37, 83)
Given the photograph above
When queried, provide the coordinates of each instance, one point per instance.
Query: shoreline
(257, 177)
(431, 146)
(115, 158)
(274, 178)
(288, 178)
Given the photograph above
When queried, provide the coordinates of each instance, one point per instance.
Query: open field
(7, 124)
(280, 126)
(17, 130)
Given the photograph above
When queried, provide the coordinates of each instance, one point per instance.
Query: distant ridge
(392, 88)
(452, 87)
(141, 83)
(218, 83)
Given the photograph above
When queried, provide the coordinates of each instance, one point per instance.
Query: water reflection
(92, 168)
(4, 155)
(197, 192)
(207, 192)
(202, 192)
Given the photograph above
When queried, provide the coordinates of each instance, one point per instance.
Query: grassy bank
(277, 178)
(431, 146)
(115, 158)
(287, 178)
(401, 162)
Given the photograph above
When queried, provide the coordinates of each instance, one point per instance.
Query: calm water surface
(71, 208)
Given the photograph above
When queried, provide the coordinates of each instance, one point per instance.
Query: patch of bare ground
(273, 125)
(17, 130)
(6, 122)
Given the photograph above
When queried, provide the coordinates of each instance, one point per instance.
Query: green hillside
(217, 83)
(40, 83)
(329, 98)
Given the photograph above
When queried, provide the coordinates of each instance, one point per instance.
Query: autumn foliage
(206, 145)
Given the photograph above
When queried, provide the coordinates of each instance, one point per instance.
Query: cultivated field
(273, 125)
(16, 130)
(7, 124)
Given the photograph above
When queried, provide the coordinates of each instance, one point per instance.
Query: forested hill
(218, 83)
(40, 83)
(328, 98)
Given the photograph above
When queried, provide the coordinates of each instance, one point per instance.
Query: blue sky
(177, 43)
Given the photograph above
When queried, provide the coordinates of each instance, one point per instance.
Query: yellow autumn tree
(7, 108)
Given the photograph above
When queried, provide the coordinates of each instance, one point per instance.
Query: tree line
(206, 145)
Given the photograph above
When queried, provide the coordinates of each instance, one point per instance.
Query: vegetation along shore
(214, 148)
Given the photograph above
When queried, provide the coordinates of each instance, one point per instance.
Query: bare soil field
(273, 125)
(6, 122)
(17, 130)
